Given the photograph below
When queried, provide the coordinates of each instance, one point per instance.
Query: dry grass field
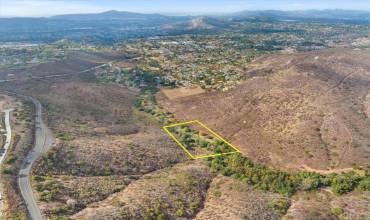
(75, 62)
(87, 108)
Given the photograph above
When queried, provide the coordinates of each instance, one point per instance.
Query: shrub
(8, 171)
(310, 181)
(279, 205)
(364, 185)
(154, 213)
(179, 213)
(194, 206)
(11, 159)
(337, 211)
(217, 193)
(344, 183)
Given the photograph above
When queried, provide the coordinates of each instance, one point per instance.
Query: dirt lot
(182, 92)
(293, 111)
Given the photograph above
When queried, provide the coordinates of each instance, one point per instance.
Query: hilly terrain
(305, 111)
(290, 90)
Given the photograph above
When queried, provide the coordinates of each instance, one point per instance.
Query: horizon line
(174, 13)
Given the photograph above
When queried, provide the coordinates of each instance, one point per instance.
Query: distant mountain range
(307, 14)
(113, 26)
(116, 15)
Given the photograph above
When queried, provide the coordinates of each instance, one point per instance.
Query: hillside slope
(304, 111)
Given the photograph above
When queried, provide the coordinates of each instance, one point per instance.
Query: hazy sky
(9, 8)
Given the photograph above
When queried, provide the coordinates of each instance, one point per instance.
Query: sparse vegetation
(262, 177)
(266, 179)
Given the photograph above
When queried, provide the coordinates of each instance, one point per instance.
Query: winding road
(43, 142)
(8, 134)
(6, 147)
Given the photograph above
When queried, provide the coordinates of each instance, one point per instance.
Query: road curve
(43, 142)
(8, 134)
(6, 147)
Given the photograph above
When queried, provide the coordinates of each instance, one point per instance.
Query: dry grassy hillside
(134, 154)
(175, 193)
(231, 199)
(303, 111)
(102, 142)
(323, 205)
(85, 108)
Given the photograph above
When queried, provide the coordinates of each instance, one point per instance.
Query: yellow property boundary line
(208, 129)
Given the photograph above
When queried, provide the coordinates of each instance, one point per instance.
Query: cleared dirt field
(293, 111)
(182, 92)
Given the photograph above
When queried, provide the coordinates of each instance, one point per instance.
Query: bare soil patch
(182, 92)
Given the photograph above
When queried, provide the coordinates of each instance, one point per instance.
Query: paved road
(8, 133)
(6, 147)
(43, 142)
